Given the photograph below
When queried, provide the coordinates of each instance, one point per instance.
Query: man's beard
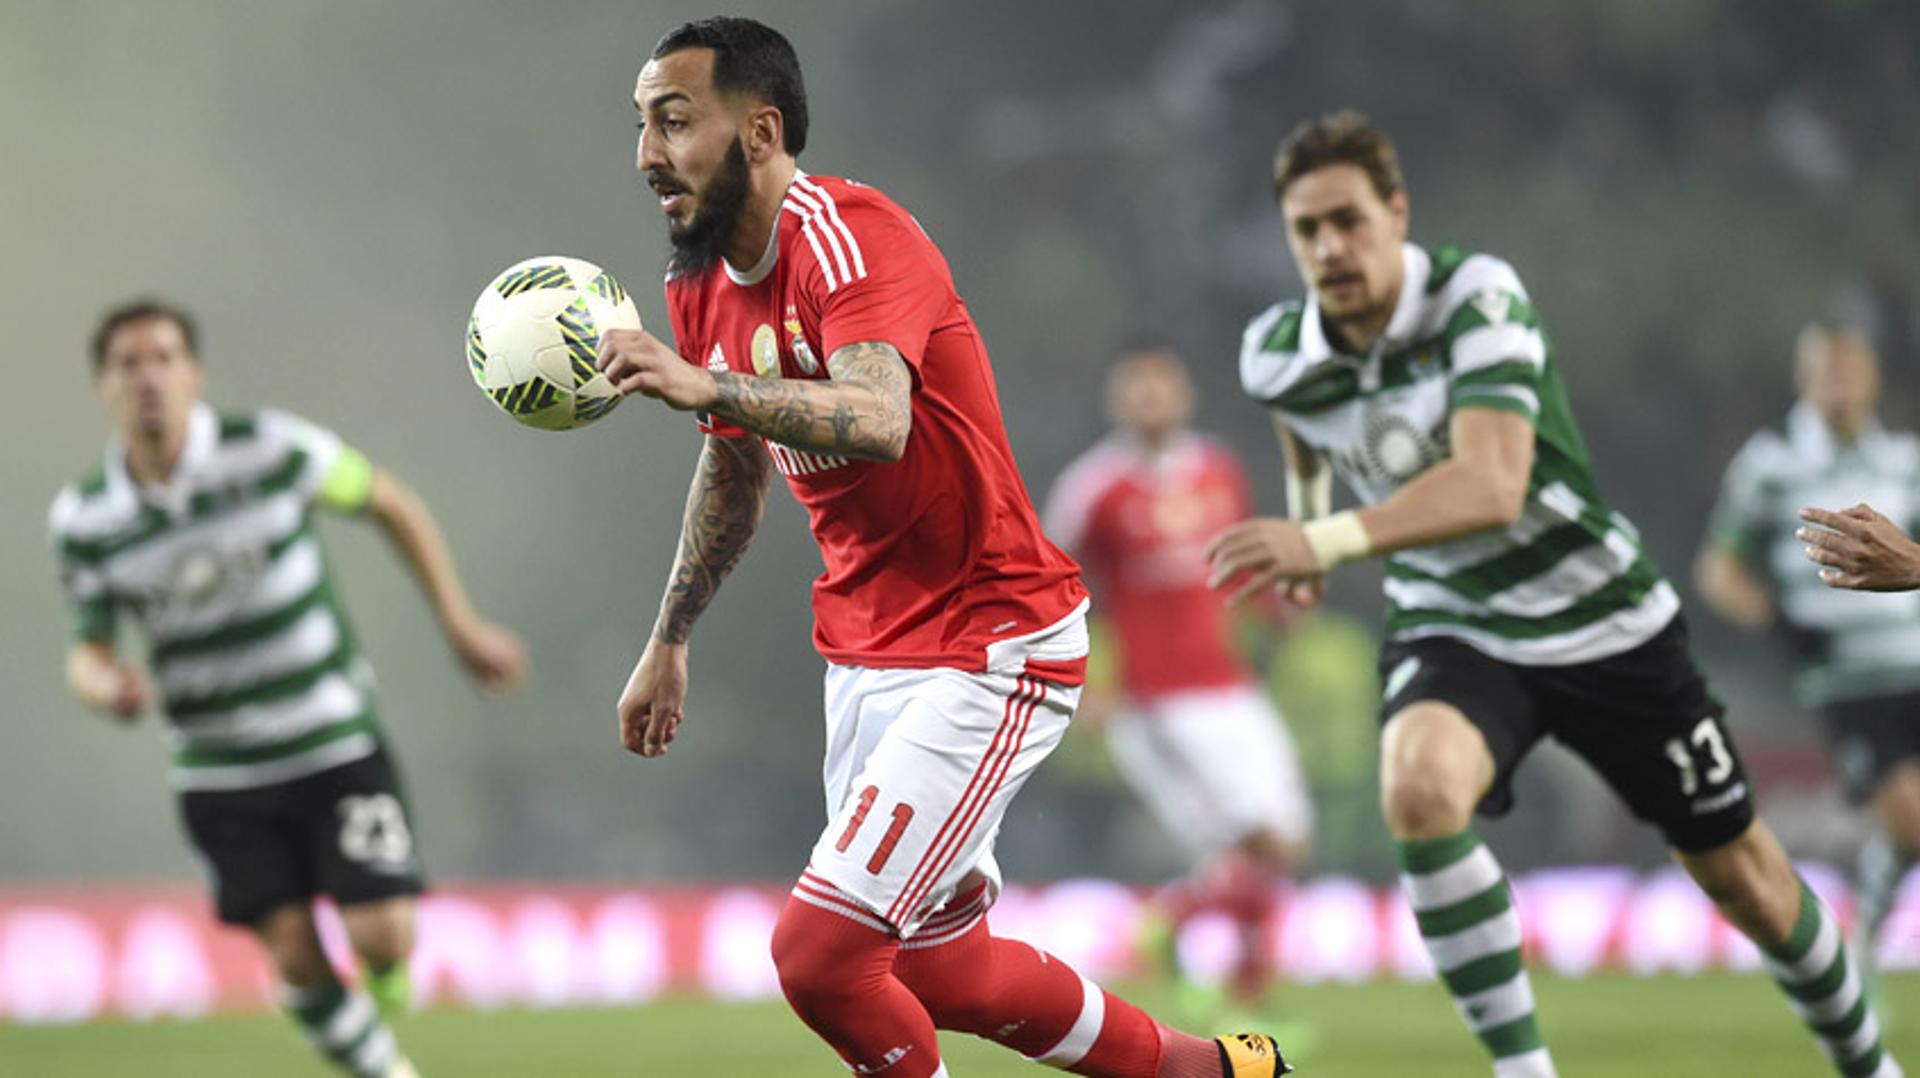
(701, 243)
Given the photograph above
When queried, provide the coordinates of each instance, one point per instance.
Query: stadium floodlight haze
(1683, 189)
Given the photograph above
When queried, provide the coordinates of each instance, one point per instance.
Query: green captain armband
(348, 483)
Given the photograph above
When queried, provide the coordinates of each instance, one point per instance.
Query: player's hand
(132, 694)
(1257, 554)
(1304, 594)
(1860, 549)
(651, 707)
(493, 656)
(120, 690)
(635, 361)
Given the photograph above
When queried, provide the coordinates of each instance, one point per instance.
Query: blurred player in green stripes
(198, 528)
(1858, 656)
(1519, 605)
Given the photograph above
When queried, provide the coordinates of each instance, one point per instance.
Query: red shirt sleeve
(876, 277)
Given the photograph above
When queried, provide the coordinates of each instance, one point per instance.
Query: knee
(1898, 801)
(1434, 765)
(1424, 804)
(293, 948)
(812, 965)
(1275, 853)
(382, 934)
(1903, 833)
(383, 951)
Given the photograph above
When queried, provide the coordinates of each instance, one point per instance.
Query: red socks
(835, 968)
(1015, 995)
(877, 1001)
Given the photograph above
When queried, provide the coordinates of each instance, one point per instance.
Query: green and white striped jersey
(1855, 644)
(1566, 583)
(222, 570)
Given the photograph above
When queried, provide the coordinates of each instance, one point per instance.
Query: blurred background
(1680, 184)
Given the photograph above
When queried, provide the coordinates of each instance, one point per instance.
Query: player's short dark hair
(140, 310)
(749, 57)
(1346, 137)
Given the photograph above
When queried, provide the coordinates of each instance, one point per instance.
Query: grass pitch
(1607, 1027)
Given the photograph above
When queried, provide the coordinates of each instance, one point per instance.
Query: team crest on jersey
(802, 354)
(716, 359)
(202, 574)
(1396, 450)
(765, 352)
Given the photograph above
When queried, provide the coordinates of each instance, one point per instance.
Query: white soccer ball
(534, 336)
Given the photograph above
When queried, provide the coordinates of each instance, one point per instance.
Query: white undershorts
(1213, 765)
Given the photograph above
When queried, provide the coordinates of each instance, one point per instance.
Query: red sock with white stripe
(1015, 995)
(836, 971)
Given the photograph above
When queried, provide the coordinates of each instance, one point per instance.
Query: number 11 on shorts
(902, 815)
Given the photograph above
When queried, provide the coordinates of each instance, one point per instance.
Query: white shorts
(921, 765)
(1213, 765)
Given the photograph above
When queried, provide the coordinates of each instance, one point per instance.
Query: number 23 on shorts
(902, 815)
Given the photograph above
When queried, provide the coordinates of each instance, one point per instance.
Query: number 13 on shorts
(1702, 755)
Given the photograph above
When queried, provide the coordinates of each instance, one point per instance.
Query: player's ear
(766, 134)
(1402, 211)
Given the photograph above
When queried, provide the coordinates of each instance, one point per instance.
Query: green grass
(1703, 1027)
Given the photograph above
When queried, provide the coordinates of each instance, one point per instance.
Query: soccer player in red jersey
(1138, 509)
(819, 335)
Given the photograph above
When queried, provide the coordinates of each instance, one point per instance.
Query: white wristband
(1336, 539)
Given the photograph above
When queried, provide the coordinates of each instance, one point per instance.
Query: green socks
(1460, 898)
(1824, 990)
(344, 1027)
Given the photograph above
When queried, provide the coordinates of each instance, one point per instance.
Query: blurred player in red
(1138, 510)
(819, 335)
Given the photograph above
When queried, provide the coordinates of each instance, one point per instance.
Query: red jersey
(1140, 522)
(931, 558)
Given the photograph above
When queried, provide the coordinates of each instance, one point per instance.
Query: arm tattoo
(865, 411)
(724, 505)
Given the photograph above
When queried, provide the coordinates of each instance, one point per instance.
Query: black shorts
(1643, 719)
(1870, 737)
(343, 832)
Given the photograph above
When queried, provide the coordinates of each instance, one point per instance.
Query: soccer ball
(534, 336)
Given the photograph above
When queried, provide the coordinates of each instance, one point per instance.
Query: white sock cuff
(1086, 1029)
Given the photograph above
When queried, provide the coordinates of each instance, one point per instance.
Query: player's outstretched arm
(102, 682)
(724, 506)
(1730, 588)
(864, 411)
(1860, 550)
(493, 656)
(1482, 485)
